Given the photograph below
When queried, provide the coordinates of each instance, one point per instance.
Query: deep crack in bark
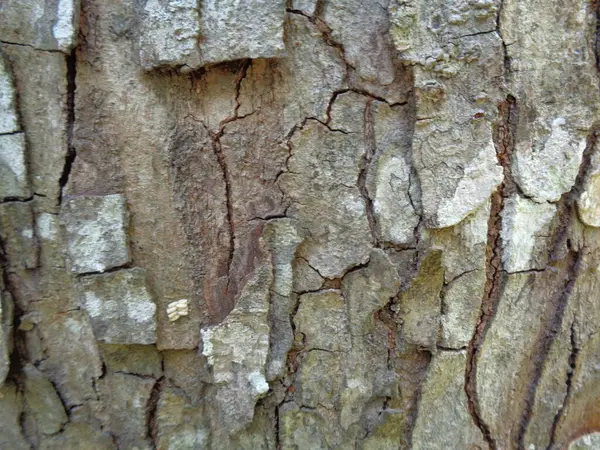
(569, 383)
(71, 61)
(503, 140)
(544, 344)
(369, 139)
(151, 412)
(571, 264)
(218, 151)
(222, 160)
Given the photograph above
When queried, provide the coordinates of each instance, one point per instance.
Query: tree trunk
(258, 224)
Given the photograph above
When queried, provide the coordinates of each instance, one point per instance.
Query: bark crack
(552, 328)
(571, 263)
(569, 383)
(151, 412)
(71, 61)
(503, 140)
(20, 44)
(498, 30)
(218, 151)
(222, 161)
(596, 43)
(369, 136)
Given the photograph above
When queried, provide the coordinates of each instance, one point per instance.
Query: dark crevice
(238, 88)
(18, 357)
(218, 151)
(569, 383)
(300, 13)
(333, 130)
(331, 102)
(478, 33)
(596, 43)
(386, 245)
(371, 96)
(20, 44)
(387, 316)
(585, 167)
(326, 31)
(222, 161)
(507, 68)
(133, 374)
(417, 210)
(450, 349)
(22, 424)
(552, 328)
(318, 21)
(277, 428)
(295, 128)
(319, 9)
(459, 276)
(104, 371)
(71, 61)
(413, 413)
(495, 278)
(16, 199)
(528, 271)
(12, 133)
(369, 137)
(111, 270)
(270, 216)
(568, 266)
(151, 412)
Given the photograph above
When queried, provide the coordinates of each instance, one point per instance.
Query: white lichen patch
(586, 442)
(546, 170)
(47, 226)
(258, 382)
(120, 306)
(64, 30)
(396, 216)
(8, 114)
(525, 227)
(177, 309)
(190, 34)
(96, 232)
(588, 204)
(170, 32)
(237, 350)
(13, 168)
(481, 177)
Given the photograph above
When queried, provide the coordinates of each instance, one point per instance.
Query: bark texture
(301, 224)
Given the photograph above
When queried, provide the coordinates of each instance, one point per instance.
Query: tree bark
(312, 224)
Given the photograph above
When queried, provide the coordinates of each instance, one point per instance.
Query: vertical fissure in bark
(369, 139)
(569, 384)
(503, 141)
(319, 8)
(386, 316)
(18, 356)
(238, 88)
(569, 266)
(422, 359)
(222, 161)
(228, 202)
(544, 344)
(596, 44)
(499, 31)
(151, 412)
(277, 426)
(71, 61)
